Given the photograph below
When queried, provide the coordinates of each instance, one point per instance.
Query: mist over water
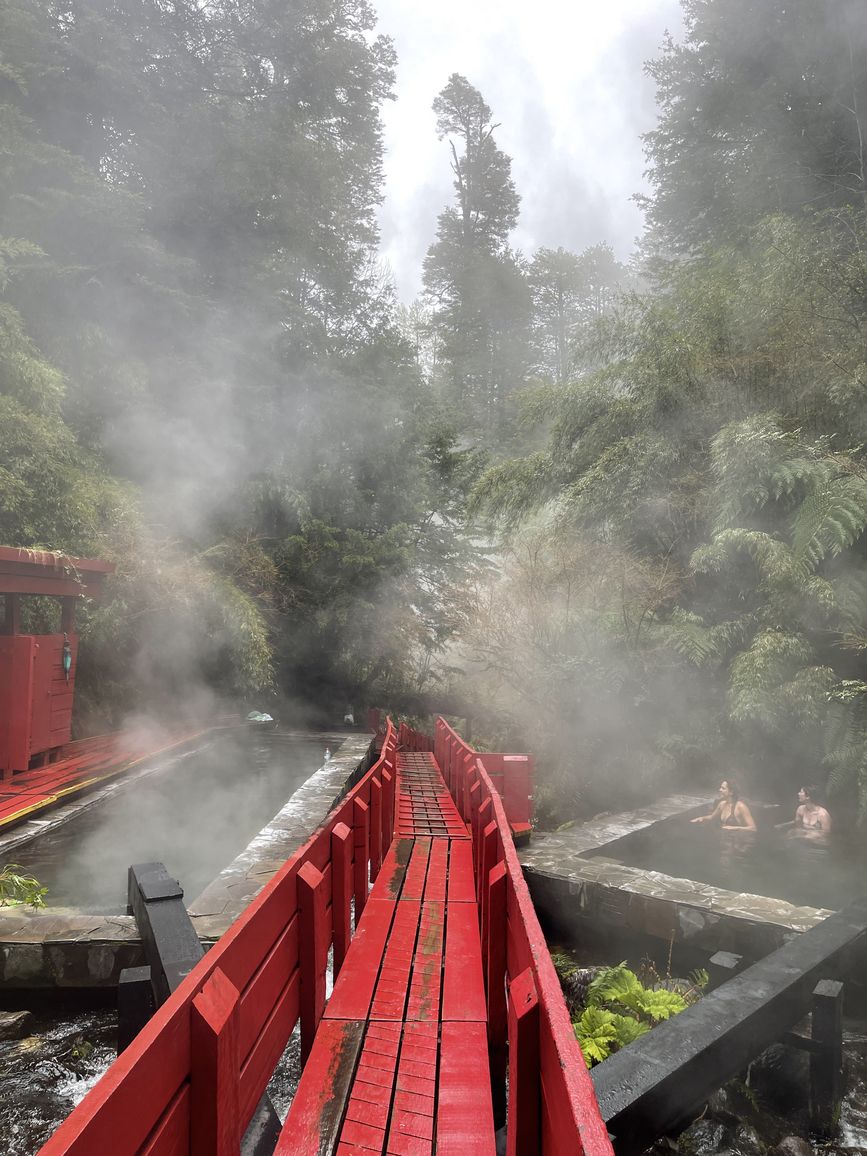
(195, 817)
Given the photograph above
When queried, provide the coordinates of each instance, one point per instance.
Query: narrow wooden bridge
(446, 1017)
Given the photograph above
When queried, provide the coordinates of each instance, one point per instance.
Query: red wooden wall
(35, 699)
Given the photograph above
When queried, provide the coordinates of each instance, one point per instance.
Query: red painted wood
(353, 991)
(387, 805)
(526, 948)
(270, 1044)
(265, 989)
(313, 1122)
(313, 940)
(215, 1122)
(495, 971)
(517, 794)
(416, 872)
(463, 985)
(438, 859)
(473, 814)
(16, 696)
(341, 891)
(426, 977)
(389, 999)
(483, 818)
(171, 1137)
(361, 854)
(461, 886)
(130, 1099)
(490, 854)
(375, 828)
(523, 1128)
(465, 1121)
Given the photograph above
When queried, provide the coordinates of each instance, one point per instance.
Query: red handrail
(552, 1107)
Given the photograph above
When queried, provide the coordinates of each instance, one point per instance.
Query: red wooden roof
(50, 572)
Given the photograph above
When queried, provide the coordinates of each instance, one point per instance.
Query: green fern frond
(596, 1032)
(613, 983)
(659, 1004)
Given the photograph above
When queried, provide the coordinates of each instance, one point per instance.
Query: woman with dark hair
(731, 812)
(811, 817)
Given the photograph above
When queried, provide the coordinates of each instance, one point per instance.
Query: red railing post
(361, 851)
(494, 947)
(341, 891)
(484, 813)
(387, 807)
(313, 940)
(468, 770)
(215, 1067)
(375, 828)
(487, 858)
(523, 1128)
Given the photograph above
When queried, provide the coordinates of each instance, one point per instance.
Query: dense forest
(613, 513)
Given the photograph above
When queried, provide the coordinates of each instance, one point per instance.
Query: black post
(170, 941)
(826, 1060)
(135, 1004)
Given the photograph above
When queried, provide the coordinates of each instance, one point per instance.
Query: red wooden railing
(191, 1080)
(552, 1106)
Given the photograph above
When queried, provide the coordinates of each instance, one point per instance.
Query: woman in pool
(810, 818)
(731, 812)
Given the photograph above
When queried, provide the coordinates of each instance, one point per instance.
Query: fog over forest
(430, 446)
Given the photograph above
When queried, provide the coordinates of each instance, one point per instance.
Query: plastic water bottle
(327, 754)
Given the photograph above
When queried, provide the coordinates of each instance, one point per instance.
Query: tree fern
(830, 519)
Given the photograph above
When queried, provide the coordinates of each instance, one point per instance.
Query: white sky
(565, 82)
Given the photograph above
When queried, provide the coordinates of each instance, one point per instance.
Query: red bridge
(445, 998)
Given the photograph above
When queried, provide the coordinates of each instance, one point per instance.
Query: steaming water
(796, 869)
(195, 817)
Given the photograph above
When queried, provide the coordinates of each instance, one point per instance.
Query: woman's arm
(707, 818)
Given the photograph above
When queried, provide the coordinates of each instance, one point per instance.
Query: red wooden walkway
(445, 988)
(408, 1016)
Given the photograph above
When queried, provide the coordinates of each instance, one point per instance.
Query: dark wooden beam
(660, 1082)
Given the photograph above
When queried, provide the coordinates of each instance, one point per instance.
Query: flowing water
(44, 1075)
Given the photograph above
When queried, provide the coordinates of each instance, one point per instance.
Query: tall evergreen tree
(762, 109)
(474, 282)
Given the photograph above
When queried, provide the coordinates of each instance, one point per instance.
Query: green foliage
(18, 888)
(620, 1009)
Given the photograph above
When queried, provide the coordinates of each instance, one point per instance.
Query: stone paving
(65, 947)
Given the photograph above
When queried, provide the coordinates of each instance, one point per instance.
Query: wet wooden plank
(463, 983)
(461, 881)
(313, 1123)
(354, 989)
(465, 1118)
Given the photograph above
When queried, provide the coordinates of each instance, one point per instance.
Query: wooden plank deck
(399, 1065)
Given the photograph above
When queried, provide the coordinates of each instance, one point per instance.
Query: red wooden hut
(36, 684)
